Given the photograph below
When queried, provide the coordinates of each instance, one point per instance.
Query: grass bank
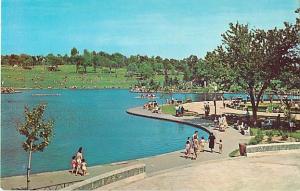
(168, 109)
(40, 77)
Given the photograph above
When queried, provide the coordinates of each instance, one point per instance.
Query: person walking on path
(195, 147)
(202, 144)
(220, 146)
(211, 140)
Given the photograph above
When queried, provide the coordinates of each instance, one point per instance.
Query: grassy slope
(39, 77)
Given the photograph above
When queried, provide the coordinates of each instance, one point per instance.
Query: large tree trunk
(29, 166)
(256, 99)
(254, 107)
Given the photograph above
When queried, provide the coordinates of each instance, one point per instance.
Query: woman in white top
(79, 157)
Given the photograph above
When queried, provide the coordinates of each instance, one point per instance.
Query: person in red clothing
(73, 164)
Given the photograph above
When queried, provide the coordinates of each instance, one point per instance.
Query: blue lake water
(93, 119)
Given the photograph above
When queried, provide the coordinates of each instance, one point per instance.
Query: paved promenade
(154, 165)
(279, 171)
(199, 108)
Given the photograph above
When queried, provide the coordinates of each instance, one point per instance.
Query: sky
(168, 28)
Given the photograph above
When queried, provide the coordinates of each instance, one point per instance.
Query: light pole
(215, 101)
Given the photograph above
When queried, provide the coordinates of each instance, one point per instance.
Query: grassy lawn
(40, 77)
(168, 109)
(234, 153)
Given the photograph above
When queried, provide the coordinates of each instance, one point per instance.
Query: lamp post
(215, 102)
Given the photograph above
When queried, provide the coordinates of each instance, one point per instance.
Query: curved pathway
(231, 138)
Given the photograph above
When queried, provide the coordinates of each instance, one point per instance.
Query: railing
(57, 186)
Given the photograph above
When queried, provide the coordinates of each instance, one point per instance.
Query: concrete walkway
(199, 108)
(279, 171)
(157, 164)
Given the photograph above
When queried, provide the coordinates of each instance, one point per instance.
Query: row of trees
(137, 65)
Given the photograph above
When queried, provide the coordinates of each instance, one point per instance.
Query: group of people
(148, 95)
(179, 110)
(194, 146)
(79, 164)
(221, 123)
(152, 106)
(242, 127)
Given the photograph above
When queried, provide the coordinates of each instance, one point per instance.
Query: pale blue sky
(169, 28)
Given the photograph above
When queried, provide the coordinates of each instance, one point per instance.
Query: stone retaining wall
(110, 177)
(251, 149)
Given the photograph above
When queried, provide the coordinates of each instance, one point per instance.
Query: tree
(87, 59)
(192, 63)
(95, 60)
(167, 66)
(75, 58)
(257, 57)
(132, 69)
(146, 70)
(74, 52)
(27, 61)
(213, 70)
(37, 131)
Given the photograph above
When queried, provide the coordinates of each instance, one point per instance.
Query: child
(73, 164)
(187, 148)
(220, 146)
(202, 144)
(84, 167)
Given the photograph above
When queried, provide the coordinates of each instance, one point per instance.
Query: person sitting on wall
(182, 110)
(176, 110)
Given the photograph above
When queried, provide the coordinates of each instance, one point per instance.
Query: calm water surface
(93, 119)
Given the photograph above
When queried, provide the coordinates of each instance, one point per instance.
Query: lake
(94, 119)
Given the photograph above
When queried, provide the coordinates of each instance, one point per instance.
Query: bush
(253, 131)
(270, 134)
(259, 136)
(283, 135)
(253, 141)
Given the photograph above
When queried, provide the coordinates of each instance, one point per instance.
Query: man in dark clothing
(211, 140)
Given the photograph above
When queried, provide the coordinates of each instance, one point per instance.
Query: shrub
(259, 137)
(270, 134)
(284, 135)
(253, 141)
